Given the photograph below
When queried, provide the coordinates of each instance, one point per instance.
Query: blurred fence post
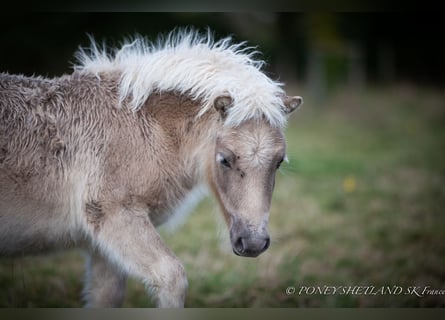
(316, 75)
(385, 63)
(356, 77)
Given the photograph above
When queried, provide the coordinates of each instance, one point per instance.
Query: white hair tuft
(193, 63)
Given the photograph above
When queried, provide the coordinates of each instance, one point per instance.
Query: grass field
(360, 204)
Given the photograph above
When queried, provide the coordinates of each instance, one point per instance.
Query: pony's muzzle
(250, 246)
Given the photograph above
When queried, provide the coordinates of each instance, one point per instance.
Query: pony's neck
(199, 145)
(192, 136)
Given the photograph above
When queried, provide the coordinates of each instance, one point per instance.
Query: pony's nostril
(266, 245)
(239, 245)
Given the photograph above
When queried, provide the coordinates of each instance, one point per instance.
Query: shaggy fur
(192, 64)
(82, 164)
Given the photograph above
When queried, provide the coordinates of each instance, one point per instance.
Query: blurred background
(360, 202)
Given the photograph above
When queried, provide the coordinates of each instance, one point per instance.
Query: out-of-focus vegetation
(324, 49)
(361, 201)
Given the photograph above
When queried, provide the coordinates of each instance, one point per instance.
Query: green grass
(360, 203)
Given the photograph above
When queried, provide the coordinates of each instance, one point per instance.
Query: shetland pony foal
(101, 157)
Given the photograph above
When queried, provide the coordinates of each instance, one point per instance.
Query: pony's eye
(221, 159)
(224, 162)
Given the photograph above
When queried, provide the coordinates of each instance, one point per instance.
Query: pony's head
(242, 175)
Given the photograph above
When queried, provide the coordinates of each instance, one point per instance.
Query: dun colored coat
(99, 158)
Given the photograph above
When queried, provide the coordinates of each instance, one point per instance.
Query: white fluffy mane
(191, 63)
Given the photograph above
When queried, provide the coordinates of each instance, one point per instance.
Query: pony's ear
(292, 103)
(222, 104)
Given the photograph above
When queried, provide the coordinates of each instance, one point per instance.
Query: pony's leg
(104, 283)
(129, 238)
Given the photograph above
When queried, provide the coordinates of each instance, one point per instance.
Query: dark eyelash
(225, 163)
